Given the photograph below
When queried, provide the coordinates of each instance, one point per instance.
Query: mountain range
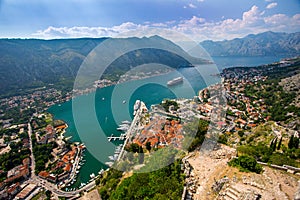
(263, 44)
(31, 63)
(27, 64)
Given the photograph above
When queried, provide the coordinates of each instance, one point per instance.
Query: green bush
(165, 183)
(246, 163)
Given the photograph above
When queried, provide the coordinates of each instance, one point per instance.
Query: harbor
(154, 95)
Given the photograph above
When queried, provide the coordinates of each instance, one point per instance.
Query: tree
(141, 155)
(296, 142)
(273, 144)
(241, 133)
(222, 139)
(134, 148)
(246, 163)
(164, 183)
(166, 105)
(48, 194)
(148, 146)
(279, 144)
(291, 142)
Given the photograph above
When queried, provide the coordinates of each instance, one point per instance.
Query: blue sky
(198, 19)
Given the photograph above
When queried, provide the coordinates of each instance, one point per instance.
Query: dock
(132, 129)
(114, 138)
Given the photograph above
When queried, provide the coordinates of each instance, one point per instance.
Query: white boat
(113, 158)
(124, 102)
(175, 81)
(137, 105)
(123, 127)
(109, 164)
(92, 175)
(126, 122)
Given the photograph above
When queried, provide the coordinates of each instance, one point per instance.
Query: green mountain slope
(32, 63)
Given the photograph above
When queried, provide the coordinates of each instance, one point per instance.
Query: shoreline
(127, 137)
(125, 82)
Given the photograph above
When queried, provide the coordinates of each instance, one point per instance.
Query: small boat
(122, 128)
(126, 122)
(109, 163)
(92, 175)
(103, 99)
(111, 158)
(124, 102)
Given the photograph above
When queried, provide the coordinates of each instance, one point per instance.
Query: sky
(197, 19)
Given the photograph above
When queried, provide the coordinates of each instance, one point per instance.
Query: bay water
(114, 104)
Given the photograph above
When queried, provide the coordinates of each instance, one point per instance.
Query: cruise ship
(175, 81)
(136, 106)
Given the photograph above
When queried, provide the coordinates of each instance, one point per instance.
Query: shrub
(246, 163)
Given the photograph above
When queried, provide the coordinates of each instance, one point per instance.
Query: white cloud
(253, 16)
(252, 21)
(75, 32)
(271, 5)
(192, 5)
(200, 0)
(193, 21)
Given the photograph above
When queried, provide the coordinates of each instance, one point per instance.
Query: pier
(132, 128)
(112, 137)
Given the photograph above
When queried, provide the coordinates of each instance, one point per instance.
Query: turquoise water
(110, 110)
